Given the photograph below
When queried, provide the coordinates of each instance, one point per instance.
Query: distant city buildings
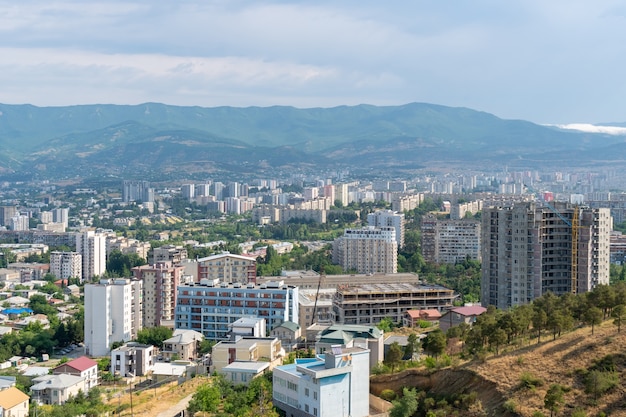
(137, 191)
(65, 265)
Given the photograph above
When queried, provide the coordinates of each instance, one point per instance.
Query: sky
(552, 62)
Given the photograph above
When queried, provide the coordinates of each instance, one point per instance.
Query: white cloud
(586, 127)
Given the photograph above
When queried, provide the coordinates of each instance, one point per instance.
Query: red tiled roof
(470, 310)
(81, 364)
(426, 313)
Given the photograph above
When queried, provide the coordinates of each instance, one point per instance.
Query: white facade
(92, 247)
(112, 313)
(391, 219)
(65, 265)
(368, 250)
(332, 385)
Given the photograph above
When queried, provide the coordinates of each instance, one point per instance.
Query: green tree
(120, 265)
(412, 346)
(593, 317)
(154, 336)
(435, 342)
(207, 398)
(393, 356)
(619, 315)
(405, 406)
(386, 324)
(554, 399)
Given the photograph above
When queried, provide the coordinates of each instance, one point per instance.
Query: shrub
(510, 406)
(529, 381)
(388, 395)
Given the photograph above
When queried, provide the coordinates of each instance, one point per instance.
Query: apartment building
(368, 304)
(335, 385)
(171, 253)
(112, 313)
(159, 283)
(92, 247)
(529, 249)
(65, 265)
(211, 307)
(127, 246)
(368, 250)
(247, 349)
(382, 218)
(227, 267)
(449, 241)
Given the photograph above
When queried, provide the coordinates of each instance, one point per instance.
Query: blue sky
(551, 61)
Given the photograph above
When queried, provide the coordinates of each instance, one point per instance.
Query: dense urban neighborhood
(292, 292)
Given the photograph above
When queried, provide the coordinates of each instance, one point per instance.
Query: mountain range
(155, 139)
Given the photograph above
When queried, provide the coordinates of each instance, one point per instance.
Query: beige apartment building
(368, 250)
(160, 282)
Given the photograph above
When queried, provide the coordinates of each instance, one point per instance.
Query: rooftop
(11, 397)
(81, 364)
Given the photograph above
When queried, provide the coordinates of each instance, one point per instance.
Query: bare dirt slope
(496, 379)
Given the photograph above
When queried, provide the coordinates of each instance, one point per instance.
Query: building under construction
(529, 249)
(368, 304)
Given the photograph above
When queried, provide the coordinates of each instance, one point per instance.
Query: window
(306, 392)
(315, 395)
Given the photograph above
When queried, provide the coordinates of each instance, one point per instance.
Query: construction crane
(321, 282)
(574, 225)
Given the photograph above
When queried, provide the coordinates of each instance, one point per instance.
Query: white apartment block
(65, 265)
(528, 250)
(112, 313)
(92, 247)
(368, 250)
(388, 218)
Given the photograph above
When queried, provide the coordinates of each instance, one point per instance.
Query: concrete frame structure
(527, 251)
(369, 304)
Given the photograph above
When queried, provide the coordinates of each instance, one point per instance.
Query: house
(184, 344)
(56, 389)
(330, 385)
(168, 372)
(413, 317)
(83, 367)
(458, 315)
(249, 327)
(132, 359)
(248, 349)
(7, 382)
(13, 402)
(244, 372)
(289, 334)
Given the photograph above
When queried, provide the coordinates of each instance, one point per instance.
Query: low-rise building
(458, 315)
(333, 385)
(244, 372)
(56, 389)
(184, 344)
(83, 367)
(132, 359)
(348, 336)
(247, 349)
(413, 317)
(289, 334)
(13, 403)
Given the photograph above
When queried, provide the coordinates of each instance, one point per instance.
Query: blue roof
(17, 310)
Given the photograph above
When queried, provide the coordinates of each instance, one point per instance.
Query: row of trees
(548, 314)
